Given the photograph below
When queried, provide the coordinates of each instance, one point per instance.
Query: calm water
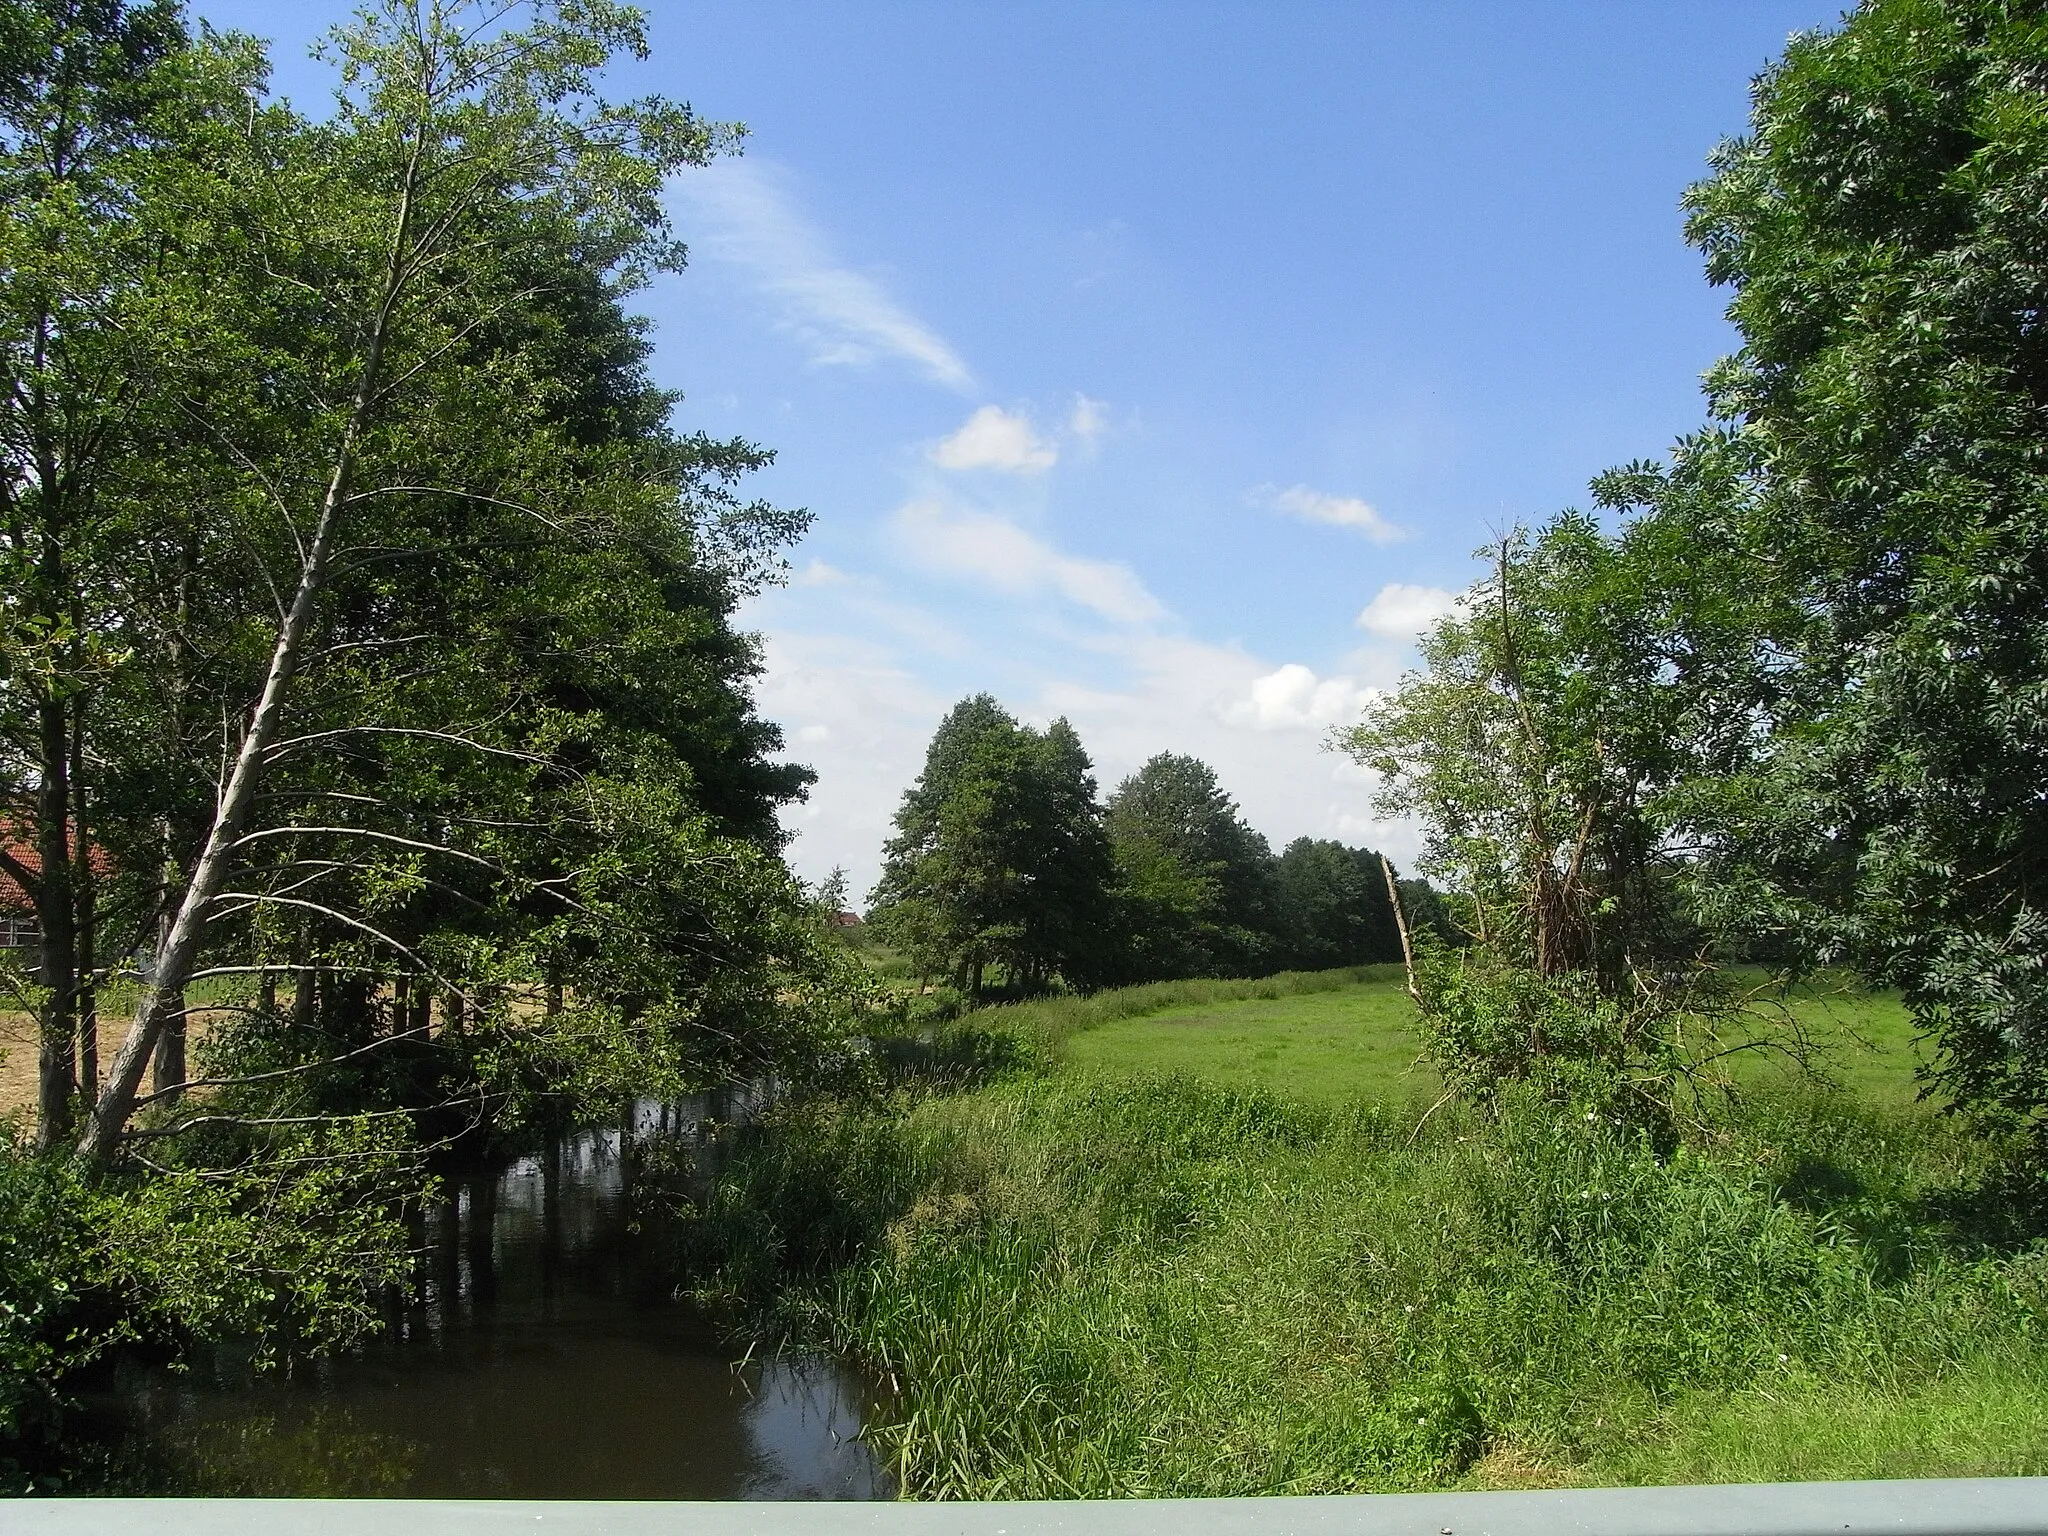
(545, 1359)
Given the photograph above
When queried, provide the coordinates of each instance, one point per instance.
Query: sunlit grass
(1201, 1240)
(1353, 1042)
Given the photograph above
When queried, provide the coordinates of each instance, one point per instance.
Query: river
(544, 1358)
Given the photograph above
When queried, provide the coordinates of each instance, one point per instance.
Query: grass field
(1354, 1038)
(1329, 1047)
(1203, 1241)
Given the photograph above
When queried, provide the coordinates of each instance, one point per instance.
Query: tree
(1332, 907)
(114, 129)
(453, 141)
(1548, 746)
(1545, 746)
(999, 855)
(1875, 480)
(1194, 882)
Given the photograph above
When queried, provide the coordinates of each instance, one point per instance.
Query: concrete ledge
(2016, 1506)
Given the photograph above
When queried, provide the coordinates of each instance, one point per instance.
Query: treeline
(1007, 864)
(368, 687)
(1784, 693)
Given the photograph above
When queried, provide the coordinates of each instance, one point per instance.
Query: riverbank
(1084, 1279)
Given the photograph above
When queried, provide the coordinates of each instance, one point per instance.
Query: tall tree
(114, 127)
(1876, 476)
(457, 146)
(1194, 881)
(999, 856)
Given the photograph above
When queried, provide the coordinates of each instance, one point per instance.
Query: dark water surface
(545, 1359)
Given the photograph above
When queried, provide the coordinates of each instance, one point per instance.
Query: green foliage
(1002, 857)
(999, 856)
(1156, 1288)
(287, 1253)
(47, 1322)
(1195, 884)
(1865, 516)
(292, 1251)
(1332, 907)
(1538, 744)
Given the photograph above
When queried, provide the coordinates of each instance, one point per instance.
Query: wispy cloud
(1088, 420)
(993, 438)
(740, 211)
(1339, 511)
(999, 554)
(1399, 611)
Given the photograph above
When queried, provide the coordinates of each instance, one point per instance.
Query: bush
(292, 1252)
(49, 1323)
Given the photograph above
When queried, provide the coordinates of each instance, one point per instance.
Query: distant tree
(999, 856)
(1195, 884)
(1331, 907)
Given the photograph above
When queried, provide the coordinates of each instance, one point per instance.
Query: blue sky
(1160, 365)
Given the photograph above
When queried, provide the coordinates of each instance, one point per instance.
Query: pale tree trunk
(168, 1060)
(1401, 923)
(85, 893)
(161, 999)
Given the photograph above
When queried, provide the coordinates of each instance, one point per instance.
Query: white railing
(2012, 1506)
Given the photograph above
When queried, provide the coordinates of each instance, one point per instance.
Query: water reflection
(544, 1359)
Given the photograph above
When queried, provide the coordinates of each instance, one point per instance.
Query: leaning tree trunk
(162, 996)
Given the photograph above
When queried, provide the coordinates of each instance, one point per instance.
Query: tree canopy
(1003, 856)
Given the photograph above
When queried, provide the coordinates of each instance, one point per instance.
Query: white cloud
(816, 573)
(993, 438)
(1087, 421)
(1292, 698)
(740, 213)
(1338, 511)
(1399, 611)
(858, 716)
(860, 711)
(998, 553)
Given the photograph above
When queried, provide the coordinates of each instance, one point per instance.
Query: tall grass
(1079, 1287)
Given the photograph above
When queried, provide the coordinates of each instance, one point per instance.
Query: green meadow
(1204, 1238)
(1336, 1036)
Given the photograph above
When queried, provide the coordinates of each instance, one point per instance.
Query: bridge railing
(2015, 1506)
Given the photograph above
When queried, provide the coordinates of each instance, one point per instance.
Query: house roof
(20, 847)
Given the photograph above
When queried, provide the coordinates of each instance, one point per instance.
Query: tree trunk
(305, 999)
(57, 919)
(85, 894)
(168, 1059)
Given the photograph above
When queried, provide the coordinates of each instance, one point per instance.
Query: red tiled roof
(23, 851)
